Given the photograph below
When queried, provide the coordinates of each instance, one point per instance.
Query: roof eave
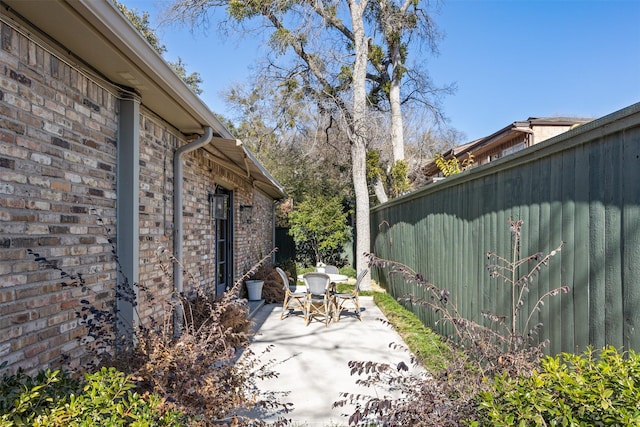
(132, 63)
(128, 39)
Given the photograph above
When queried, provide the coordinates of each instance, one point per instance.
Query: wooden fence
(581, 188)
(285, 244)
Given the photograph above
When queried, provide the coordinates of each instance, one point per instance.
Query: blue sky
(510, 59)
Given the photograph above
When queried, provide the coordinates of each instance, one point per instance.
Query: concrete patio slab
(312, 361)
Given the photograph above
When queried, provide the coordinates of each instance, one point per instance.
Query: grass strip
(428, 347)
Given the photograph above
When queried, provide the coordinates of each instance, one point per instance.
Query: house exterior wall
(202, 172)
(495, 152)
(57, 175)
(491, 148)
(158, 141)
(251, 240)
(58, 196)
(519, 142)
(256, 239)
(542, 133)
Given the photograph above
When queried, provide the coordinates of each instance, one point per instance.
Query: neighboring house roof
(104, 42)
(524, 126)
(504, 135)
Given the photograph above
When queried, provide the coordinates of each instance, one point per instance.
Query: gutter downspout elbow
(178, 234)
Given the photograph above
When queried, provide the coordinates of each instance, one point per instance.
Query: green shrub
(349, 271)
(320, 229)
(24, 397)
(570, 390)
(105, 398)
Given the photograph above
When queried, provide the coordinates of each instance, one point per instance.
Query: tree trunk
(381, 194)
(363, 239)
(359, 139)
(397, 132)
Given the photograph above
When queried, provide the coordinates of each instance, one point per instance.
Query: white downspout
(177, 206)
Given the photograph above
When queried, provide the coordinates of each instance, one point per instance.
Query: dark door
(224, 245)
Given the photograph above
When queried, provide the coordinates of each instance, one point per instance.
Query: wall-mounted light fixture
(218, 204)
(246, 213)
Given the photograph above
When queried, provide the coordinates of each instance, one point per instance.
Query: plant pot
(254, 289)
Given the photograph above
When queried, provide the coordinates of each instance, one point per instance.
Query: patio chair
(349, 298)
(331, 269)
(318, 301)
(292, 300)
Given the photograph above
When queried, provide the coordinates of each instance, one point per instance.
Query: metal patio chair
(349, 298)
(318, 301)
(331, 269)
(292, 300)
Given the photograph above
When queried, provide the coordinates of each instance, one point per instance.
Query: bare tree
(328, 69)
(290, 140)
(401, 24)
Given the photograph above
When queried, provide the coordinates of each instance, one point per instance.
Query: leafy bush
(453, 165)
(23, 397)
(348, 271)
(397, 180)
(105, 398)
(320, 229)
(577, 390)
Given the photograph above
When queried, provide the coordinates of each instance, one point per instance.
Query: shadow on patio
(312, 361)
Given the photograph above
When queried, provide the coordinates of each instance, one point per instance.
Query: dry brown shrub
(448, 397)
(190, 358)
(234, 318)
(195, 365)
(272, 291)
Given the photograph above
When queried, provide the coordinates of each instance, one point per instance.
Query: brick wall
(158, 142)
(251, 241)
(57, 167)
(254, 240)
(58, 131)
(202, 172)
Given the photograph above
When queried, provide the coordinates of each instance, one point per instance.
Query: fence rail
(581, 188)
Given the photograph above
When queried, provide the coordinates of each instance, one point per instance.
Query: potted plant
(254, 289)
(255, 282)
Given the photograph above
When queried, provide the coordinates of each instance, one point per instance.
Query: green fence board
(597, 253)
(580, 289)
(533, 228)
(631, 238)
(612, 227)
(568, 255)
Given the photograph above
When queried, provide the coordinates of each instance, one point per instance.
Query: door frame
(224, 243)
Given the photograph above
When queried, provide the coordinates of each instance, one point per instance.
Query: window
(513, 149)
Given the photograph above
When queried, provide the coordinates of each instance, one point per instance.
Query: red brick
(12, 308)
(35, 350)
(66, 305)
(6, 296)
(21, 318)
(25, 341)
